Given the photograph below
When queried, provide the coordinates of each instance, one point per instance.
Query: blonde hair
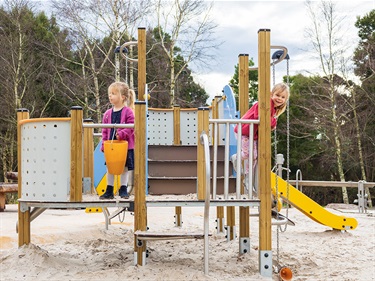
(123, 89)
(279, 88)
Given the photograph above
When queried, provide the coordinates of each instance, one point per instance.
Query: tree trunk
(339, 158)
(359, 144)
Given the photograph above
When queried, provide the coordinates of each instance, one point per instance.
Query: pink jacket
(253, 114)
(127, 117)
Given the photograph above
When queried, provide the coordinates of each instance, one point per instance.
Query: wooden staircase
(173, 170)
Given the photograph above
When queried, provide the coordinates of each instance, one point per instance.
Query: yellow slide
(309, 207)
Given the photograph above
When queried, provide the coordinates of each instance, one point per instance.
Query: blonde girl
(122, 112)
(279, 98)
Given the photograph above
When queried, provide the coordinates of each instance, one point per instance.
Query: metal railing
(227, 123)
(204, 141)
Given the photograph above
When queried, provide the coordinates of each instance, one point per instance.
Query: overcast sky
(239, 22)
(238, 25)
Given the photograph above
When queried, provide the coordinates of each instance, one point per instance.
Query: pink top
(127, 117)
(253, 114)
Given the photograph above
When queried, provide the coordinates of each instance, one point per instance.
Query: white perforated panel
(188, 124)
(45, 160)
(160, 127)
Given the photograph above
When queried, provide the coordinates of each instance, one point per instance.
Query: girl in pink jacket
(122, 112)
(279, 98)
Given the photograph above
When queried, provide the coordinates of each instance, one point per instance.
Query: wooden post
(203, 125)
(243, 83)
(215, 115)
(76, 152)
(220, 218)
(231, 222)
(88, 154)
(178, 213)
(23, 217)
(219, 209)
(264, 153)
(176, 125)
(141, 63)
(140, 211)
(244, 231)
(243, 74)
(177, 141)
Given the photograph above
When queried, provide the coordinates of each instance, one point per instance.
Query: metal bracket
(265, 263)
(143, 258)
(244, 245)
(86, 184)
(230, 229)
(219, 222)
(24, 207)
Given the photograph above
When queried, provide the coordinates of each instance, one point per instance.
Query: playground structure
(38, 139)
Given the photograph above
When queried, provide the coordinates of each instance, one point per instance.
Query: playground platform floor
(75, 245)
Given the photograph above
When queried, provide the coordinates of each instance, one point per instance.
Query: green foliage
(253, 83)
(365, 52)
(188, 94)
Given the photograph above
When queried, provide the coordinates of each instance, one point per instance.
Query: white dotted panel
(188, 124)
(45, 160)
(160, 127)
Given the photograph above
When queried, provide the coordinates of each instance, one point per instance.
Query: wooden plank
(147, 235)
(8, 187)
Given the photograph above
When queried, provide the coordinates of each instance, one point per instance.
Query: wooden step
(148, 235)
(183, 185)
(178, 152)
(180, 168)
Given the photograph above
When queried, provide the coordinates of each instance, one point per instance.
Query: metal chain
(277, 201)
(277, 189)
(287, 149)
(126, 70)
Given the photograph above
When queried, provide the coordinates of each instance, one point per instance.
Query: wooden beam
(23, 217)
(76, 152)
(88, 154)
(264, 145)
(243, 85)
(140, 211)
(141, 63)
(176, 125)
(203, 125)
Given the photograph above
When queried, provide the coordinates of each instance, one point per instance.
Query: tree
(327, 43)
(187, 92)
(364, 60)
(96, 28)
(185, 29)
(253, 83)
(26, 76)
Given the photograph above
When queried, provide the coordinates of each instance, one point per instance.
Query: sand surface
(75, 245)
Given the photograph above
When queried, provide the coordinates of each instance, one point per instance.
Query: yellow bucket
(115, 153)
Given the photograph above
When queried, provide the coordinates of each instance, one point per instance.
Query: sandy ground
(75, 245)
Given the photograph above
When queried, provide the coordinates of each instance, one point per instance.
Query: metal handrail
(331, 183)
(250, 178)
(298, 179)
(205, 143)
(130, 43)
(285, 53)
